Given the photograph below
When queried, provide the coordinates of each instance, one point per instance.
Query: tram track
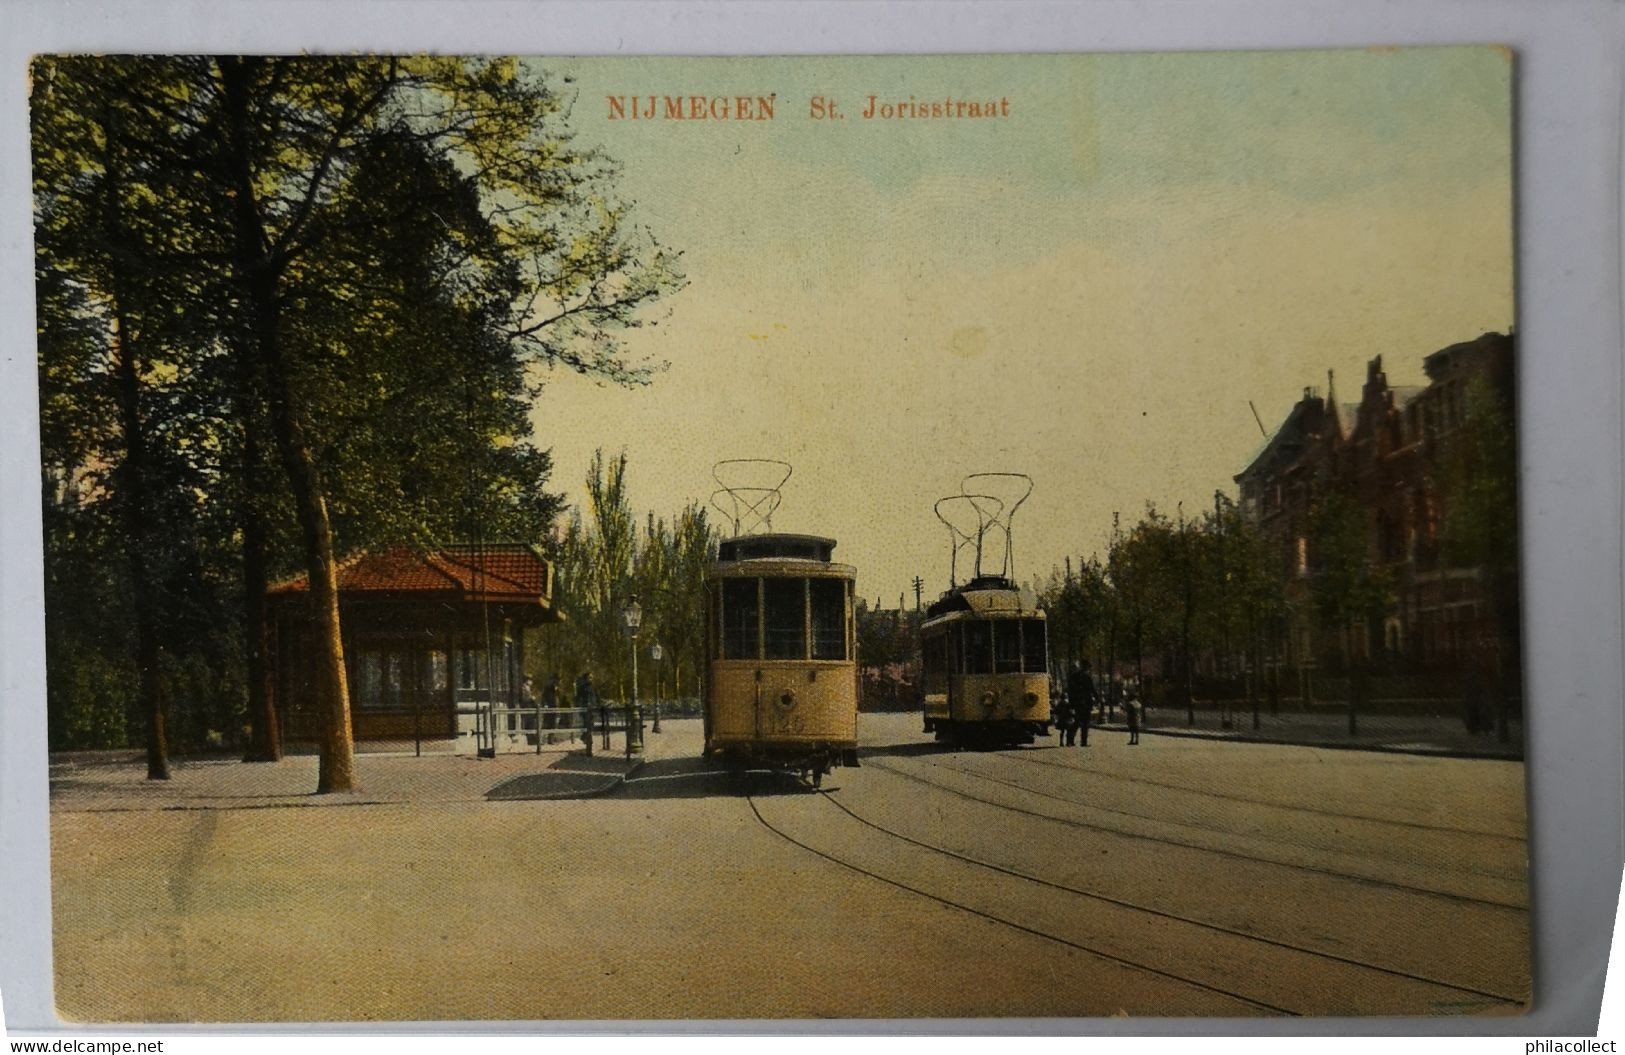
(1072, 822)
(1213, 829)
(991, 917)
(1270, 804)
(1150, 910)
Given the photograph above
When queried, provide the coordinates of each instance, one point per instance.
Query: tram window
(933, 657)
(1007, 646)
(784, 607)
(1034, 654)
(739, 618)
(828, 597)
(978, 647)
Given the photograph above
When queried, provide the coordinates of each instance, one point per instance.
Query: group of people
(586, 698)
(1073, 707)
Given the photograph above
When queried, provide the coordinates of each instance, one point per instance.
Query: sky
(1089, 290)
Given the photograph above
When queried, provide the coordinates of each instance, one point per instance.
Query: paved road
(1178, 877)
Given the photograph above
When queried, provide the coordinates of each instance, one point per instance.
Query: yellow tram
(984, 646)
(985, 660)
(781, 685)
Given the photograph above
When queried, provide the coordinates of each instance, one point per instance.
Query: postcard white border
(1569, 64)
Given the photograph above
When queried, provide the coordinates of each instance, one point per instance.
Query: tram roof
(775, 546)
(987, 596)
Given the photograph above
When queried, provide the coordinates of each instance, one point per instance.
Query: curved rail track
(1074, 822)
(1275, 805)
(1441, 993)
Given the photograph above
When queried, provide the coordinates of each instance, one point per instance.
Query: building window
(1301, 556)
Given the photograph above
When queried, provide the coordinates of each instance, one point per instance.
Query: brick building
(1390, 453)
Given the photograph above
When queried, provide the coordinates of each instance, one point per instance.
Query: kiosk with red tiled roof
(429, 638)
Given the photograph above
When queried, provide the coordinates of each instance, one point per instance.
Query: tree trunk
(265, 739)
(336, 771)
(132, 488)
(133, 478)
(259, 275)
(1111, 669)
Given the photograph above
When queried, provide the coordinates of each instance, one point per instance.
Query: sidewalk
(115, 781)
(1420, 735)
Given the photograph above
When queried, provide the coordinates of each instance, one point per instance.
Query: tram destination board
(611, 539)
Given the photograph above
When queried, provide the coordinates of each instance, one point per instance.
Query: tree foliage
(292, 306)
(604, 563)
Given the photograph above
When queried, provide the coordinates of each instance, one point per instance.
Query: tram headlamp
(1032, 699)
(989, 699)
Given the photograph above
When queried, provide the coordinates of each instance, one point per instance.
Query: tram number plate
(788, 724)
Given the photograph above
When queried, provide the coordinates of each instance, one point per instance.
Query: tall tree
(607, 585)
(113, 321)
(1350, 589)
(329, 211)
(694, 547)
(295, 135)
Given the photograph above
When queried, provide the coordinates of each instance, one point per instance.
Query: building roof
(1287, 440)
(499, 572)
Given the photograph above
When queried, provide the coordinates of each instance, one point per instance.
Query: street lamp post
(631, 620)
(655, 653)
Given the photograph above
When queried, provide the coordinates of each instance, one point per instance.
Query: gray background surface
(1569, 84)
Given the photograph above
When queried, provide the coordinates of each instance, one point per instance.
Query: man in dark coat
(1080, 690)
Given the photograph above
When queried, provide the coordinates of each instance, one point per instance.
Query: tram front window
(784, 608)
(1007, 647)
(978, 647)
(1034, 654)
(740, 618)
(828, 598)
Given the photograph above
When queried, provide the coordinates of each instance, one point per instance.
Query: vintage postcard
(977, 536)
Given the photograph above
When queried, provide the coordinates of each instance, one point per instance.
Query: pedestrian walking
(1131, 713)
(527, 704)
(1080, 691)
(586, 695)
(1065, 719)
(586, 699)
(550, 703)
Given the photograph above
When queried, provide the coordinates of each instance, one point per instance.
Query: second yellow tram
(985, 660)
